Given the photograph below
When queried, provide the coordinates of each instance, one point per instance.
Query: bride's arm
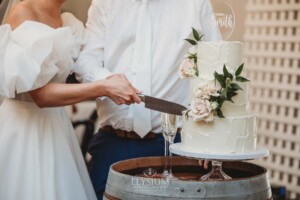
(115, 87)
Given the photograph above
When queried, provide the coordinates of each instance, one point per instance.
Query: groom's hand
(121, 91)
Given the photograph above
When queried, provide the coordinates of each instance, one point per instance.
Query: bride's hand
(120, 90)
(204, 163)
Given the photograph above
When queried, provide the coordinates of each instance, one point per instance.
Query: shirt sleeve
(90, 63)
(208, 21)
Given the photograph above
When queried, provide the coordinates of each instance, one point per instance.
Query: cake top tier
(212, 56)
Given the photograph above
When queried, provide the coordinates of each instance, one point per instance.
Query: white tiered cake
(204, 131)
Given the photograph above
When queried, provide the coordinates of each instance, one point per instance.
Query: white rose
(211, 91)
(198, 93)
(214, 105)
(191, 72)
(205, 91)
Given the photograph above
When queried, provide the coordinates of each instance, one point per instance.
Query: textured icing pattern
(213, 56)
(229, 135)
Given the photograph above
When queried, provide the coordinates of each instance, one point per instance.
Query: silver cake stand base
(217, 173)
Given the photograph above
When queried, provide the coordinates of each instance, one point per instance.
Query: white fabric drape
(6, 11)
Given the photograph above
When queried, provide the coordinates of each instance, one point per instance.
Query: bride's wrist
(102, 87)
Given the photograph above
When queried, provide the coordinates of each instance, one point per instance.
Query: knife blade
(162, 105)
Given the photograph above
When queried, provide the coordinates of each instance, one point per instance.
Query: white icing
(213, 56)
(227, 135)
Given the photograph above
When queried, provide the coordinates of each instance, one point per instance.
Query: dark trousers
(107, 149)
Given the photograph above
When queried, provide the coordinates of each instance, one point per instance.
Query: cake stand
(217, 172)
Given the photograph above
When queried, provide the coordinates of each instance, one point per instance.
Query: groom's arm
(90, 64)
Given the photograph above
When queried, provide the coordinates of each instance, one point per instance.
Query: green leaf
(187, 114)
(241, 79)
(220, 113)
(193, 57)
(201, 37)
(230, 95)
(196, 34)
(235, 86)
(230, 100)
(220, 78)
(239, 70)
(192, 42)
(233, 90)
(212, 98)
(221, 101)
(224, 93)
(228, 82)
(225, 71)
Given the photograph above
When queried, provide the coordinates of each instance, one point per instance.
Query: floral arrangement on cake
(208, 99)
(188, 67)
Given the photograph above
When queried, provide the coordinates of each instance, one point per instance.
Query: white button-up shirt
(111, 29)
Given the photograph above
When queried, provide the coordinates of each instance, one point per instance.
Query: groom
(144, 40)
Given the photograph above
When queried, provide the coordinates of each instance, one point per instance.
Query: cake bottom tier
(223, 135)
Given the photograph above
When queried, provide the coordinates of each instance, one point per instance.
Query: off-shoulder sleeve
(31, 55)
(78, 31)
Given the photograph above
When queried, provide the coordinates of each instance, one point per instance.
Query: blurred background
(270, 30)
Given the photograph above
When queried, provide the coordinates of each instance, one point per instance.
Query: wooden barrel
(131, 180)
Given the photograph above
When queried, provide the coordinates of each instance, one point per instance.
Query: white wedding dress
(40, 158)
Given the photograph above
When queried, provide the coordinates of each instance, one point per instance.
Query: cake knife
(162, 105)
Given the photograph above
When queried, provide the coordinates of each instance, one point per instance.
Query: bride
(40, 158)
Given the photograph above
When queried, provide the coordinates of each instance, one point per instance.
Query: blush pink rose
(204, 92)
(187, 69)
(201, 110)
(210, 91)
